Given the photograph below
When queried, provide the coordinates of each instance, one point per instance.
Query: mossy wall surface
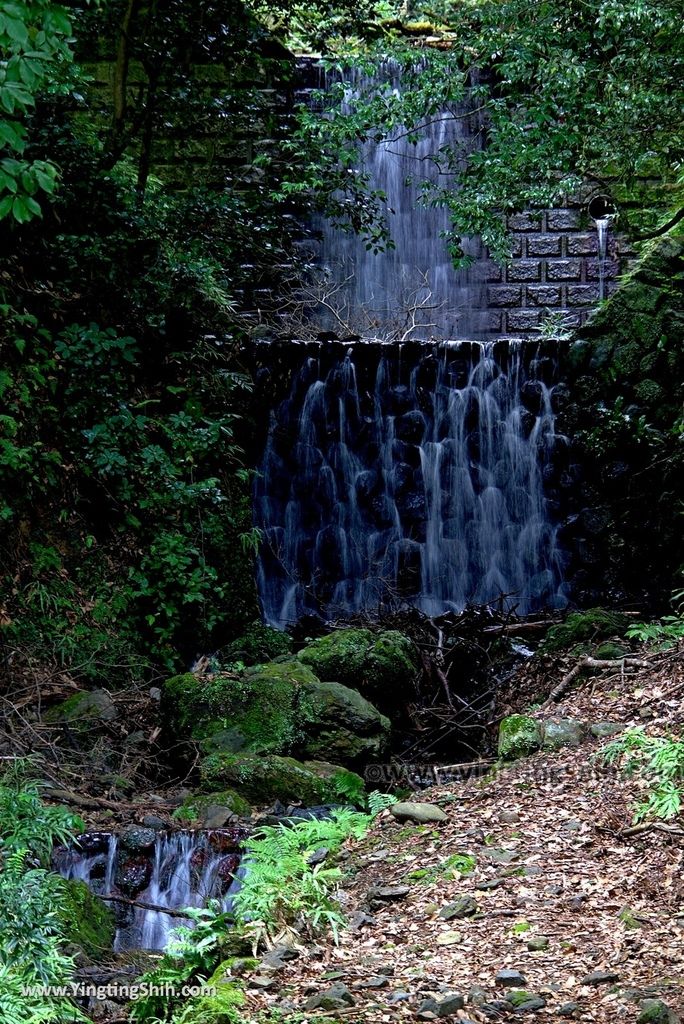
(626, 378)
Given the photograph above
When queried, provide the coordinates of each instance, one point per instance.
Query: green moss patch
(85, 920)
(264, 779)
(581, 631)
(378, 664)
(519, 735)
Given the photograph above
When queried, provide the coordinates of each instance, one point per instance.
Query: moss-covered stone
(259, 643)
(519, 735)
(194, 807)
(86, 706)
(380, 665)
(85, 921)
(264, 779)
(562, 732)
(582, 630)
(279, 708)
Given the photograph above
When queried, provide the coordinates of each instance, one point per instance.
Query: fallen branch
(144, 906)
(588, 662)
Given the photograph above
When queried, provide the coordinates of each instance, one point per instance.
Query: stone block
(524, 270)
(563, 220)
(544, 295)
(563, 270)
(525, 221)
(582, 294)
(523, 320)
(582, 245)
(544, 245)
(492, 272)
(611, 269)
(504, 295)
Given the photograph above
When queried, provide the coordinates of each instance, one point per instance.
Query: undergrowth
(659, 761)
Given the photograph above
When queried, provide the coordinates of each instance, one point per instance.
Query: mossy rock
(87, 707)
(278, 708)
(85, 921)
(610, 651)
(193, 808)
(380, 665)
(224, 1007)
(519, 735)
(259, 643)
(265, 779)
(582, 630)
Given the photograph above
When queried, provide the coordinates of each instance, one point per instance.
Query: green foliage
(192, 953)
(659, 763)
(259, 643)
(450, 867)
(664, 634)
(30, 938)
(280, 888)
(35, 40)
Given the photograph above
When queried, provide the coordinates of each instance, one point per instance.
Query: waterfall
(412, 473)
(182, 869)
(410, 290)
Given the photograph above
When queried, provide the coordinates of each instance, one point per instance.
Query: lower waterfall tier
(411, 474)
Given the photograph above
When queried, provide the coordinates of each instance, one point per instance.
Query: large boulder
(263, 779)
(518, 735)
(279, 708)
(381, 665)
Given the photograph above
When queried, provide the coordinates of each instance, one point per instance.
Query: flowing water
(187, 870)
(602, 226)
(412, 289)
(411, 474)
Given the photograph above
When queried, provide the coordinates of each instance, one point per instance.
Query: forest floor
(554, 857)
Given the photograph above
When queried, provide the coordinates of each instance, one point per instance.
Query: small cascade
(180, 869)
(418, 474)
(602, 226)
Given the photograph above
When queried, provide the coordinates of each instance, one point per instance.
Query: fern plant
(660, 762)
(664, 634)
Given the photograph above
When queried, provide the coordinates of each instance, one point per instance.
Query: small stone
(510, 978)
(477, 996)
(429, 1005)
(216, 816)
(601, 730)
(448, 938)
(523, 1001)
(360, 920)
(532, 871)
(502, 856)
(571, 825)
(509, 817)
(464, 906)
(318, 856)
(334, 998)
(422, 814)
(562, 732)
(137, 838)
(450, 1005)
(498, 1006)
(377, 981)
(537, 943)
(262, 983)
(491, 883)
(577, 903)
(155, 822)
(155, 693)
(398, 997)
(654, 1011)
(568, 1009)
(600, 978)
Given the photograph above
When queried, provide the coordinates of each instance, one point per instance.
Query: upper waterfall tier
(410, 473)
(412, 288)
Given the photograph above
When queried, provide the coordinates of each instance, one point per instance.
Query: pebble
(464, 906)
(568, 1009)
(510, 978)
(421, 814)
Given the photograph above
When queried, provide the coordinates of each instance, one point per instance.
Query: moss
(225, 1007)
(379, 664)
(518, 735)
(259, 643)
(264, 779)
(279, 708)
(85, 706)
(581, 630)
(85, 920)
(194, 807)
(610, 651)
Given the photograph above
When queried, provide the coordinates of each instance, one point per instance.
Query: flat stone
(448, 938)
(492, 883)
(398, 997)
(568, 1009)
(155, 822)
(601, 730)
(389, 893)
(502, 856)
(422, 814)
(216, 816)
(562, 732)
(377, 981)
(510, 978)
(334, 998)
(537, 943)
(509, 817)
(429, 1005)
(464, 906)
(600, 978)
(532, 871)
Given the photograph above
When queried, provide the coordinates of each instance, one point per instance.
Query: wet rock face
(133, 874)
(138, 838)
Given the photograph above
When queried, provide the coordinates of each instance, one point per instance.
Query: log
(143, 905)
